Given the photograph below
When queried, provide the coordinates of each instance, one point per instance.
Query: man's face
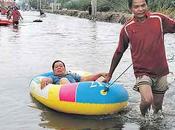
(59, 68)
(139, 8)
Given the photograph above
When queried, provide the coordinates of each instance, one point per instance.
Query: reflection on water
(71, 122)
(31, 48)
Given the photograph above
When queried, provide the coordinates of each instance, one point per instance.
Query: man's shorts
(158, 85)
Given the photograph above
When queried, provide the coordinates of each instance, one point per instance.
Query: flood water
(83, 45)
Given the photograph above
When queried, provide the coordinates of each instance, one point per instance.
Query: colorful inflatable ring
(85, 98)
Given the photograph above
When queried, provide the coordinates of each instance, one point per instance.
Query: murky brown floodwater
(83, 45)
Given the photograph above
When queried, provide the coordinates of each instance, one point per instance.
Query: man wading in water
(145, 35)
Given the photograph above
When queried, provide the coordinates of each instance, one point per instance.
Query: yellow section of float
(74, 107)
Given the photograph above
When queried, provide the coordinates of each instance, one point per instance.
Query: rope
(109, 85)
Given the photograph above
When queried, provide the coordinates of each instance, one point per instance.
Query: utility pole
(37, 5)
(54, 5)
(40, 4)
(94, 8)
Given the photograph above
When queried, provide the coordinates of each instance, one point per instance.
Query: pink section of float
(68, 92)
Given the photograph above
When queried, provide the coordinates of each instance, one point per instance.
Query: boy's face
(139, 8)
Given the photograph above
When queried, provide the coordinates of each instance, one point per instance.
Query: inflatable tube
(85, 98)
(5, 22)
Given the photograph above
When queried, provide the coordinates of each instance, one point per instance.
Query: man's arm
(93, 77)
(168, 24)
(122, 46)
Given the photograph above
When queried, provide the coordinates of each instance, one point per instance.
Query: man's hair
(131, 1)
(56, 62)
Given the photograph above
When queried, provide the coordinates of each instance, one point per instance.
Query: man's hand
(107, 78)
(104, 74)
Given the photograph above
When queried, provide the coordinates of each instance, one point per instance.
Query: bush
(78, 4)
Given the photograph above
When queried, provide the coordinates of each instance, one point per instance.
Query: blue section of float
(85, 90)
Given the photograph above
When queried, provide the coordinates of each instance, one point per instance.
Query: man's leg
(146, 98)
(158, 93)
(157, 102)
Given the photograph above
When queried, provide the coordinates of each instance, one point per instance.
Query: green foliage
(170, 11)
(77, 4)
(102, 5)
(33, 3)
(112, 5)
(159, 4)
(165, 6)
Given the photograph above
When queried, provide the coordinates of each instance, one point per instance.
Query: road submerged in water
(85, 45)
